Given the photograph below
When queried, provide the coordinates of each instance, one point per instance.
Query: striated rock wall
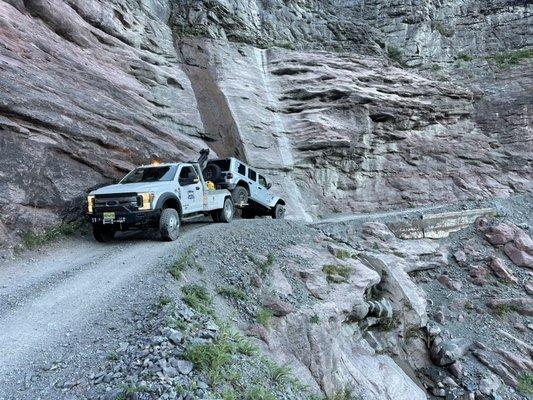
(312, 93)
(88, 89)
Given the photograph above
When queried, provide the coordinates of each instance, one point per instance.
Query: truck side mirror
(269, 185)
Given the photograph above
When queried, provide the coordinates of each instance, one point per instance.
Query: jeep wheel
(169, 224)
(279, 211)
(226, 214)
(239, 196)
(103, 234)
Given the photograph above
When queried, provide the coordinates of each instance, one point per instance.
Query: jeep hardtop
(156, 197)
(249, 189)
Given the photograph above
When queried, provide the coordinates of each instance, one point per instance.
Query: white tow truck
(156, 197)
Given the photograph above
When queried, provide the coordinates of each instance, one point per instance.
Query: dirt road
(61, 309)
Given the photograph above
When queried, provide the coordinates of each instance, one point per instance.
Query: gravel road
(62, 308)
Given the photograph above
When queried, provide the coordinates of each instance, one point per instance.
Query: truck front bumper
(126, 220)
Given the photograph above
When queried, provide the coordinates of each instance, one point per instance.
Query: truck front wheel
(169, 224)
(226, 213)
(103, 234)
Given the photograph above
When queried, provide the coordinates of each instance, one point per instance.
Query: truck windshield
(150, 174)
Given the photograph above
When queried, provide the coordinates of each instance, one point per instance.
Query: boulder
(478, 275)
(278, 307)
(500, 234)
(451, 284)
(446, 352)
(521, 305)
(517, 256)
(497, 265)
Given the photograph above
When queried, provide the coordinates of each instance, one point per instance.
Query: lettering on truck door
(190, 189)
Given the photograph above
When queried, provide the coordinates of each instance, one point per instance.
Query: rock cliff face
(347, 105)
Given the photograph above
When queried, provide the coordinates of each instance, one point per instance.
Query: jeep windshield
(150, 174)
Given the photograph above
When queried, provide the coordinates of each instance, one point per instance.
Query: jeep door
(264, 196)
(191, 193)
(252, 181)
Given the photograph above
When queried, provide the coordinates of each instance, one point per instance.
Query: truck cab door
(190, 188)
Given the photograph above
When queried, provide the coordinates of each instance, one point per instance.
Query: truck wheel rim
(173, 226)
(280, 212)
(227, 209)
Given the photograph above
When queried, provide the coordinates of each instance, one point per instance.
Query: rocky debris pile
(476, 342)
(517, 244)
(181, 353)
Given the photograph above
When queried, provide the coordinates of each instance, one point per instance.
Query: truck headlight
(90, 204)
(145, 201)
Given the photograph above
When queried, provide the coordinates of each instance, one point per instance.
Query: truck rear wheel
(103, 234)
(226, 213)
(239, 195)
(279, 211)
(169, 224)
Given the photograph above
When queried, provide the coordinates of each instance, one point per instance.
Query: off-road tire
(169, 224)
(240, 195)
(103, 234)
(212, 172)
(278, 212)
(246, 213)
(226, 213)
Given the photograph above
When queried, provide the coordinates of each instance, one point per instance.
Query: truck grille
(116, 202)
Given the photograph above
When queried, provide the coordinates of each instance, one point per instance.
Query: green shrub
(395, 55)
(315, 319)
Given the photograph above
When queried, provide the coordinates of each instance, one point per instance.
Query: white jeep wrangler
(156, 197)
(250, 191)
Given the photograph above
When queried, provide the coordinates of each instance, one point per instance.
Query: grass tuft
(264, 316)
(343, 254)
(332, 270)
(525, 384)
(198, 299)
(181, 264)
(464, 57)
(315, 319)
(231, 292)
(505, 60)
(263, 266)
(32, 239)
(259, 393)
